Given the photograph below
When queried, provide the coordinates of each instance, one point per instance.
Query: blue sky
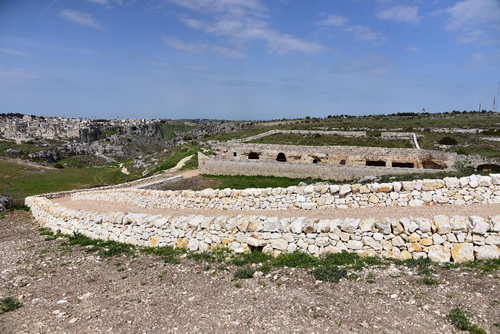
(247, 59)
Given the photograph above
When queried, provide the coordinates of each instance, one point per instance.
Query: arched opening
(315, 161)
(432, 165)
(281, 157)
(253, 156)
(375, 163)
(488, 168)
(342, 162)
(403, 164)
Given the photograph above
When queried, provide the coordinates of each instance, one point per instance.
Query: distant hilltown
(28, 127)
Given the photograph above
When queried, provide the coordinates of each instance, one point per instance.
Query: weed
(424, 265)
(341, 259)
(237, 285)
(206, 268)
(460, 319)
(329, 274)
(167, 253)
(2, 215)
(265, 268)
(428, 281)
(352, 277)
(370, 281)
(296, 259)
(495, 302)
(107, 248)
(244, 273)
(8, 304)
(250, 258)
(121, 269)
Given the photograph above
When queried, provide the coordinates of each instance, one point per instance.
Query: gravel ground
(67, 290)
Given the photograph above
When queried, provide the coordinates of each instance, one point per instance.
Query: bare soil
(64, 289)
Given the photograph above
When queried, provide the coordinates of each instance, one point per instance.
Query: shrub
(296, 259)
(460, 319)
(58, 166)
(329, 274)
(244, 273)
(8, 304)
(448, 141)
(250, 258)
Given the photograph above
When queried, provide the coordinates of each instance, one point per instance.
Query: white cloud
(334, 20)
(13, 52)
(363, 33)
(241, 22)
(472, 18)
(370, 64)
(401, 13)
(412, 48)
(100, 2)
(472, 12)
(80, 18)
(111, 3)
(200, 46)
(10, 75)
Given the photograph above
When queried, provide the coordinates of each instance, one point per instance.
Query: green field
(169, 129)
(330, 140)
(19, 180)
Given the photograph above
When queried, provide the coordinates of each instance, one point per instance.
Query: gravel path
(66, 289)
(483, 210)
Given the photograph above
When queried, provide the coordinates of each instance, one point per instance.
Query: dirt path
(483, 210)
(65, 289)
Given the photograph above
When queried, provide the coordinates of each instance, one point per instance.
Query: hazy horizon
(247, 59)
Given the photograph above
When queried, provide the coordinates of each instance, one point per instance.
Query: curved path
(483, 210)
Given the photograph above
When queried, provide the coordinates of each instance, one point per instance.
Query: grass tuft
(461, 320)
(8, 304)
(329, 274)
(167, 253)
(296, 259)
(251, 258)
(244, 273)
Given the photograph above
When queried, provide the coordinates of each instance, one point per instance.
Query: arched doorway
(253, 156)
(281, 157)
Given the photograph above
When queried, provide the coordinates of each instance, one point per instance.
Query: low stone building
(322, 162)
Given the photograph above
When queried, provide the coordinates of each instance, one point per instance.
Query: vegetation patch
(8, 304)
(461, 320)
(244, 273)
(167, 253)
(329, 274)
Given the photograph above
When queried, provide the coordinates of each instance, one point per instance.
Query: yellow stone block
(414, 237)
(181, 243)
(414, 248)
(426, 242)
(405, 255)
(153, 241)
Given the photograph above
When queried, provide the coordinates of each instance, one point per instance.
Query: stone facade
(441, 238)
(342, 155)
(323, 162)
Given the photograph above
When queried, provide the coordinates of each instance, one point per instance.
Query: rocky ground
(64, 289)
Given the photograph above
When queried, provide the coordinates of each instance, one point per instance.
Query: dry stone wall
(456, 191)
(442, 238)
